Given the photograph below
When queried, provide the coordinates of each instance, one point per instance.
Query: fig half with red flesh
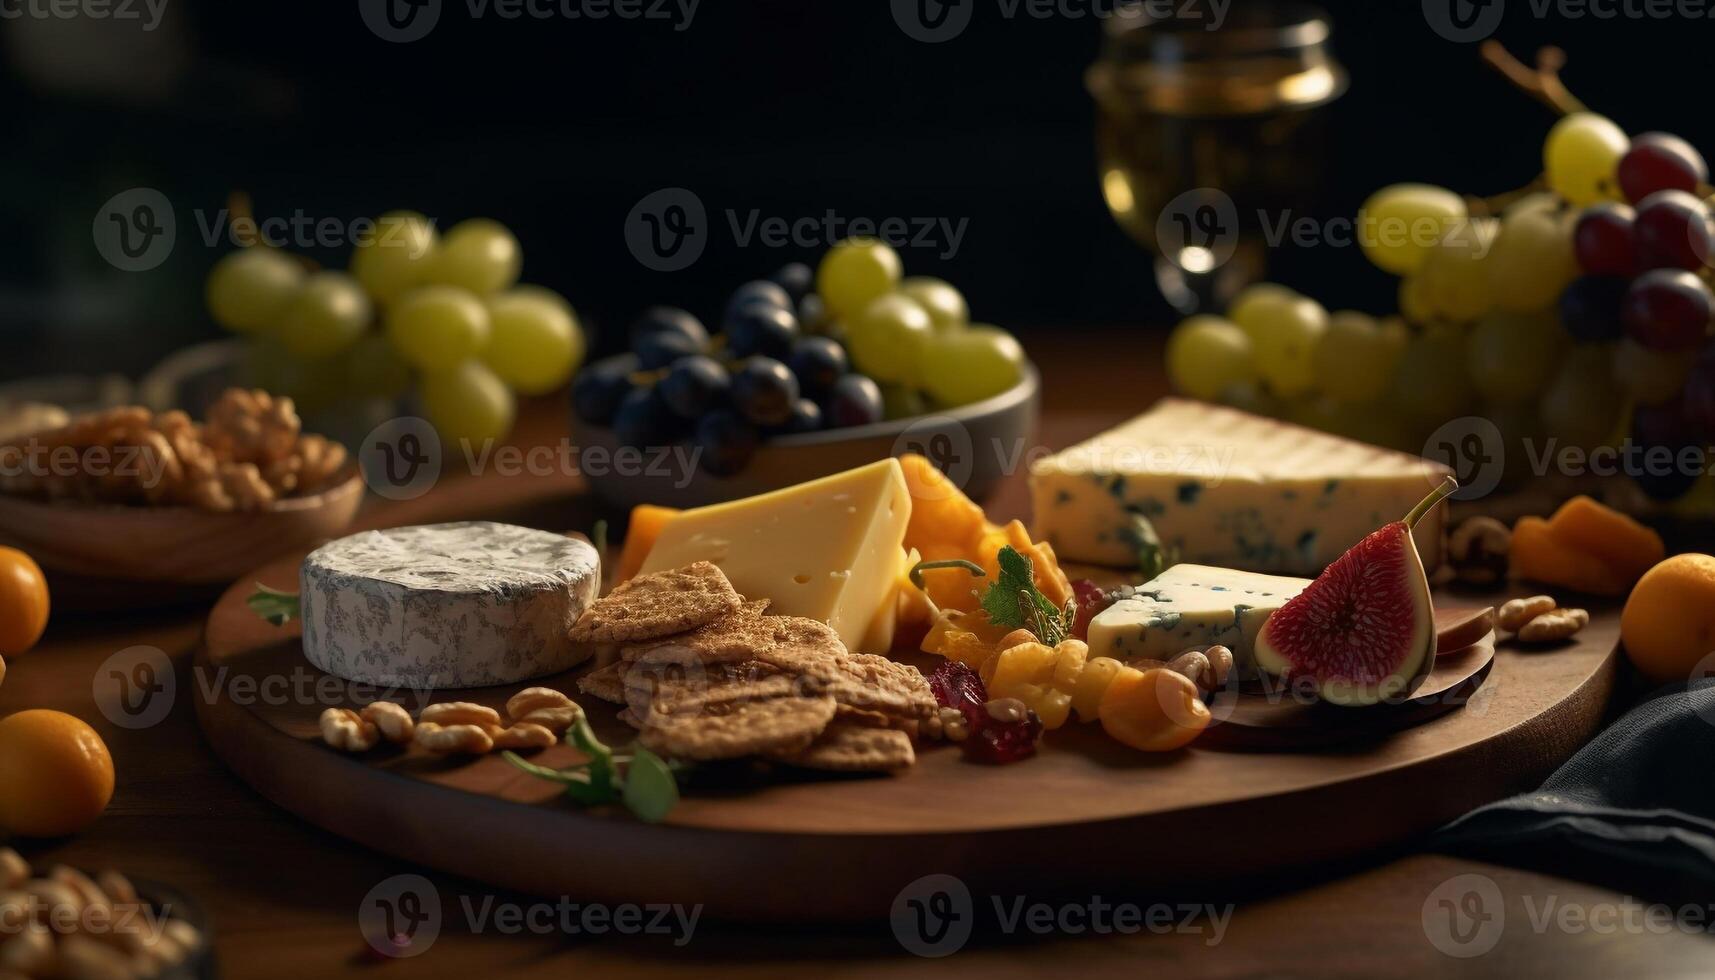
(1364, 631)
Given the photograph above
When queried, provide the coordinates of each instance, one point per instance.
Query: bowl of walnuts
(127, 494)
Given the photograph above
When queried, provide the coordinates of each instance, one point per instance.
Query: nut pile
(1539, 619)
(250, 453)
(67, 924)
(704, 674)
(1479, 551)
(535, 718)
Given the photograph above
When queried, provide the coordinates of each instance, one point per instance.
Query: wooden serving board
(1085, 816)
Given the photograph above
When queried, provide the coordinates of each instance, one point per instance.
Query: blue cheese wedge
(1223, 487)
(472, 604)
(1190, 606)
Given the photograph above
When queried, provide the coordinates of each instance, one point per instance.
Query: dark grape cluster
(769, 372)
(1644, 266)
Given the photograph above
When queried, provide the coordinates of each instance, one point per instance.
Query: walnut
(1478, 550)
(252, 426)
(1553, 626)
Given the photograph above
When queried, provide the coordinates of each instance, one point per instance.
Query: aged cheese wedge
(447, 605)
(829, 549)
(1227, 488)
(1191, 606)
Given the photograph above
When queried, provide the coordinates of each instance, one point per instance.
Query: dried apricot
(647, 520)
(940, 511)
(1153, 711)
(1630, 548)
(1541, 555)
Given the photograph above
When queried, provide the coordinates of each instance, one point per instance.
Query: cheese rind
(471, 604)
(829, 549)
(1191, 606)
(1227, 488)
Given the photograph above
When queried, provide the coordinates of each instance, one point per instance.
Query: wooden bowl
(174, 546)
(976, 444)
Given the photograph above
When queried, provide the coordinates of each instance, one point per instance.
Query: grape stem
(1542, 82)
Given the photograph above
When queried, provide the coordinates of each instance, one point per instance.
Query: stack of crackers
(705, 674)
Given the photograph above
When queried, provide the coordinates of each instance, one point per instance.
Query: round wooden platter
(1085, 816)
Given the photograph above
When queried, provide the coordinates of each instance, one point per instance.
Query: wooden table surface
(285, 898)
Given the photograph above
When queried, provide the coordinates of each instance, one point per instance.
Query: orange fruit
(56, 775)
(23, 602)
(1669, 622)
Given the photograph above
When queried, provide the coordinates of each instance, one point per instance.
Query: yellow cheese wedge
(829, 549)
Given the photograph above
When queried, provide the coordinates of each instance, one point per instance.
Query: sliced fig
(1364, 631)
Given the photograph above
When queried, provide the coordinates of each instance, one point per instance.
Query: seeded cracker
(659, 604)
(607, 683)
(725, 727)
(850, 748)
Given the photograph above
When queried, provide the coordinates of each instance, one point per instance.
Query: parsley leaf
(273, 605)
(1015, 601)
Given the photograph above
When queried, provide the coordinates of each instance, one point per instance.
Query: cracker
(870, 685)
(853, 748)
(607, 683)
(676, 676)
(659, 604)
(626, 716)
(706, 728)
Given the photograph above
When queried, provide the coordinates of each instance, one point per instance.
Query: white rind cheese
(1191, 606)
(1227, 488)
(446, 605)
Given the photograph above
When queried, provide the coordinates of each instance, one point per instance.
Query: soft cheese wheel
(447, 605)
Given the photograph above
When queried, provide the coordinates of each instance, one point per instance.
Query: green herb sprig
(647, 785)
(273, 605)
(1013, 600)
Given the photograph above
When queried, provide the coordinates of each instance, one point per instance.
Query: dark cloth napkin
(1633, 810)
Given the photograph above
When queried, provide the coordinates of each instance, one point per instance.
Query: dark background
(558, 127)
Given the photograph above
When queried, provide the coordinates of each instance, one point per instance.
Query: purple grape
(758, 291)
(818, 362)
(694, 385)
(764, 391)
(597, 392)
(796, 278)
(806, 417)
(662, 347)
(1660, 162)
(643, 421)
(669, 319)
(1604, 241)
(1674, 231)
(1668, 309)
(854, 400)
(727, 442)
(1590, 307)
(1659, 428)
(761, 328)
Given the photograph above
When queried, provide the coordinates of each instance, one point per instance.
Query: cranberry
(958, 686)
(1000, 742)
(1091, 600)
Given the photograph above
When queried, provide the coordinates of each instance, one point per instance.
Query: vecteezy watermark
(137, 688)
(1466, 916)
(1464, 21)
(147, 12)
(60, 908)
(935, 21)
(403, 21)
(137, 229)
(404, 915)
(934, 916)
(1200, 229)
(1477, 451)
(400, 459)
(668, 230)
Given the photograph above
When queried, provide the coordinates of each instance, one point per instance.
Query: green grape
(1375, 424)
(468, 403)
(1531, 262)
(1581, 154)
(944, 304)
(312, 385)
(1582, 405)
(1537, 202)
(1430, 385)
(1357, 354)
(971, 365)
(1651, 376)
(1206, 355)
(1252, 397)
(543, 293)
(1454, 279)
(854, 273)
(1240, 310)
(248, 290)
(326, 316)
(399, 256)
(1284, 334)
(480, 255)
(1413, 304)
(437, 327)
(534, 343)
(1512, 357)
(902, 402)
(1315, 412)
(373, 369)
(1401, 223)
(887, 338)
